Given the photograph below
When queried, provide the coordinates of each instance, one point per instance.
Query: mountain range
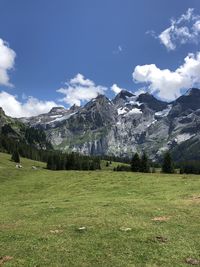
(124, 125)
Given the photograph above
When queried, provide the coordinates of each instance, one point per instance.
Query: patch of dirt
(7, 226)
(161, 239)
(192, 261)
(161, 219)
(5, 259)
(195, 199)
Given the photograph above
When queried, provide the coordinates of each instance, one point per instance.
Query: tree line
(14, 146)
(72, 161)
(62, 161)
(55, 160)
(143, 164)
(188, 167)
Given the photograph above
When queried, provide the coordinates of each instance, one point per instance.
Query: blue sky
(104, 41)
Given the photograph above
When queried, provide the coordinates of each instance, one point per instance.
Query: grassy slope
(33, 203)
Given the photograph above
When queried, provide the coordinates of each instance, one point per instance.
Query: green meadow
(97, 218)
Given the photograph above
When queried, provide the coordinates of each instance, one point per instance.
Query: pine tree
(15, 156)
(118, 168)
(135, 163)
(167, 166)
(144, 164)
(50, 162)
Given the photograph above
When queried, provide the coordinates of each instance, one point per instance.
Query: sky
(65, 52)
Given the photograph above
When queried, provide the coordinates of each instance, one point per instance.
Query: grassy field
(101, 218)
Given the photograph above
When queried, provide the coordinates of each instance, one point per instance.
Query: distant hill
(14, 134)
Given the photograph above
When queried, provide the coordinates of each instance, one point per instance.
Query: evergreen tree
(144, 164)
(50, 162)
(167, 166)
(15, 156)
(181, 170)
(72, 161)
(118, 168)
(135, 163)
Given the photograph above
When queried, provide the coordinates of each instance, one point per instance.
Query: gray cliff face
(125, 125)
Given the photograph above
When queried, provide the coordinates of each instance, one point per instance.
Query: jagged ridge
(127, 124)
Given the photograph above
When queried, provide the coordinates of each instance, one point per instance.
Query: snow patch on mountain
(126, 111)
(183, 137)
(61, 117)
(151, 123)
(134, 111)
(164, 112)
(56, 116)
(121, 111)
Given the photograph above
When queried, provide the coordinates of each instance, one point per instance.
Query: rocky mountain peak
(100, 101)
(127, 124)
(74, 108)
(122, 97)
(193, 92)
(101, 97)
(124, 94)
(56, 110)
(189, 101)
(152, 102)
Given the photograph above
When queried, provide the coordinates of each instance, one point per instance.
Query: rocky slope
(126, 124)
(16, 130)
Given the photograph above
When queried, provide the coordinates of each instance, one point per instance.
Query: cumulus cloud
(167, 84)
(7, 60)
(31, 107)
(116, 89)
(80, 89)
(185, 29)
(140, 91)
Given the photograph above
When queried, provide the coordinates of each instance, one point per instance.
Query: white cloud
(185, 29)
(118, 50)
(116, 89)
(80, 89)
(7, 60)
(31, 107)
(167, 84)
(140, 91)
(165, 38)
(80, 79)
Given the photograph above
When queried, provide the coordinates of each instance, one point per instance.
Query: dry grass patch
(161, 219)
(195, 198)
(56, 231)
(192, 261)
(4, 259)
